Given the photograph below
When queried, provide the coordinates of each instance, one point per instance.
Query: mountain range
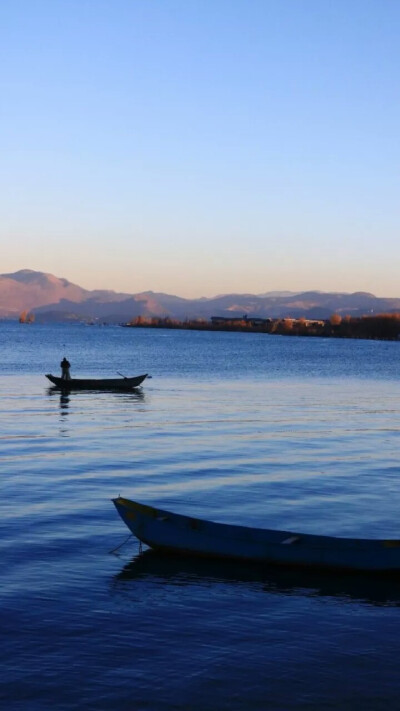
(51, 298)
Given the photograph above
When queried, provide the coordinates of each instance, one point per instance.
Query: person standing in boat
(65, 366)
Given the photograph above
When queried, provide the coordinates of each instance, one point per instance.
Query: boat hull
(169, 532)
(97, 384)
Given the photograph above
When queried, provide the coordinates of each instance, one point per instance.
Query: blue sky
(202, 147)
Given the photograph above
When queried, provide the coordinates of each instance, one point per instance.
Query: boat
(122, 383)
(178, 534)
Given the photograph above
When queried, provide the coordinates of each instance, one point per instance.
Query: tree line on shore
(384, 326)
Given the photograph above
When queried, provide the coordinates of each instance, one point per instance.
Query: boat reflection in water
(172, 570)
(65, 394)
(71, 404)
(64, 403)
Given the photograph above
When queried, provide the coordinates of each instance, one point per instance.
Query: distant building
(237, 320)
(259, 321)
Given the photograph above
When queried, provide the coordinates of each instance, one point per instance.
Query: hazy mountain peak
(29, 276)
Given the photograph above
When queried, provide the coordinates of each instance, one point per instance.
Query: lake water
(271, 431)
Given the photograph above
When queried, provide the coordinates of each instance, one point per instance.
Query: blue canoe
(97, 384)
(174, 533)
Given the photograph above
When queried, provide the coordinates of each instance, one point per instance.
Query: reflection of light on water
(318, 455)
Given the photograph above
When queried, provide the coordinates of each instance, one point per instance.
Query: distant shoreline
(381, 327)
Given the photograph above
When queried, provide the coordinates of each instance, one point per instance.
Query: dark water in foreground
(243, 428)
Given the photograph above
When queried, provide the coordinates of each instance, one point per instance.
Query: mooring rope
(121, 544)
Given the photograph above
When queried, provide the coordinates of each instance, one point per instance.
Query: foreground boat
(169, 532)
(97, 384)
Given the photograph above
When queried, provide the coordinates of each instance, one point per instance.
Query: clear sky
(199, 147)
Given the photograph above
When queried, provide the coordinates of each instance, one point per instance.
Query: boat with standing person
(122, 383)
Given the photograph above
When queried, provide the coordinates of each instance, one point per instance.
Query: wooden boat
(97, 384)
(170, 532)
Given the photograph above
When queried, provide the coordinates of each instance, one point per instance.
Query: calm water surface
(240, 428)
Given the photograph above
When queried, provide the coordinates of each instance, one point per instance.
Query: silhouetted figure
(65, 366)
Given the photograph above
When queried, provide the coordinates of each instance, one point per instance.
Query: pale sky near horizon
(198, 147)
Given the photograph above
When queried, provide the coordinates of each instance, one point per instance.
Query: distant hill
(52, 298)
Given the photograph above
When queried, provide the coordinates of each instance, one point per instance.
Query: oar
(126, 377)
